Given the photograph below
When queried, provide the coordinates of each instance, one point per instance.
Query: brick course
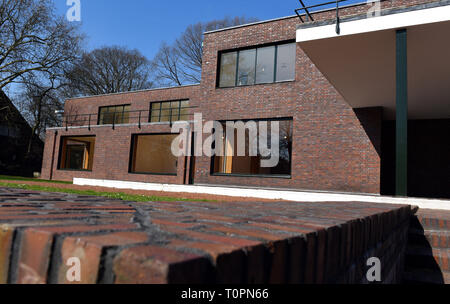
(189, 242)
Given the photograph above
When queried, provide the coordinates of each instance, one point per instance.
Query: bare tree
(110, 70)
(182, 63)
(168, 66)
(32, 39)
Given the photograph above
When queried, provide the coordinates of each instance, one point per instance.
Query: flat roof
(363, 2)
(137, 91)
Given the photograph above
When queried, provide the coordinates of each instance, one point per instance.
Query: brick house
(15, 133)
(336, 137)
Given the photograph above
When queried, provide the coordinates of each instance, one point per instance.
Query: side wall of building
(113, 146)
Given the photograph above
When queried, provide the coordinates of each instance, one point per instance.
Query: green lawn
(30, 179)
(112, 195)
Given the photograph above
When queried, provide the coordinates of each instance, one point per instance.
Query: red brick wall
(197, 242)
(332, 149)
(112, 147)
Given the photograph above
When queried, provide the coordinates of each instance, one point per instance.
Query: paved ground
(160, 242)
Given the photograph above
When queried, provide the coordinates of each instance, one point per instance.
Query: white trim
(367, 25)
(288, 195)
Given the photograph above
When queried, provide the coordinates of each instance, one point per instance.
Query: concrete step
(434, 259)
(429, 238)
(431, 220)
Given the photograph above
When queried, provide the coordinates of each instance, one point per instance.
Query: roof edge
(363, 2)
(133, 92)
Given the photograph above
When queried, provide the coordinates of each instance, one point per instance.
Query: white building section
(287, 195)
(374, 24)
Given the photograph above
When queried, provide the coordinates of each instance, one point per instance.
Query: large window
(257, 66)
(232, 164)
(152, 154)
(114, 114)
(169, 111)
(77, 153)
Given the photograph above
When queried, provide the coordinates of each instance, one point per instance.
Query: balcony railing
(306, 10)
(139, 117)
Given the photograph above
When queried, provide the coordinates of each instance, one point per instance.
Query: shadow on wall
(428, 158)
(422, 256)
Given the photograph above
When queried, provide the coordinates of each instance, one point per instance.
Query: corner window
(257, 66)
(152, 154)
(77, 153)
(232, 164)
(169, 111)
(114, 114)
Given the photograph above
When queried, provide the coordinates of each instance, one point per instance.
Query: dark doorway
(428, 158)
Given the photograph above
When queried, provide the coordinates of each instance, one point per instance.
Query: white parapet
(287, 195)
(374, 24)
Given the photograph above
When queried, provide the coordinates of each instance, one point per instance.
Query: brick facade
(335, 148)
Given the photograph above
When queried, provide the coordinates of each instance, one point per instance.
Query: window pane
(286, 62)
(251, 165)
(246, 72)
(265, 65)
(152, 154)
(175, 110)
(154, 111)
(115, 114)
(228, 69)
(184, 115)
(165, 111)
(77, 153)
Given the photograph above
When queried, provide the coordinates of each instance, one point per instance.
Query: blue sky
(144, 24)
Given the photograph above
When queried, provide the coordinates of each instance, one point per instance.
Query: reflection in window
(265, 66)
(246, 72)
(77, 153)
(286, 62)
(259, 65)
(251, 165)
(228, 69)
(169, 111)
(152, 154)
(114, 114)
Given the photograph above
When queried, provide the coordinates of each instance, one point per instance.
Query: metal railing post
(338, 27)
(140, 114)
(114, 121)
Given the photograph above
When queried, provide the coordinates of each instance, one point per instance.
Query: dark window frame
(112, 106)
(256, 47)
(275, 176)
(132, 146)
(160, 109)
(60, 153)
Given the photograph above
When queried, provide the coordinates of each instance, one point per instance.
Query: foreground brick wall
(187, 242)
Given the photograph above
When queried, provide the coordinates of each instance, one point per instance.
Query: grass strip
(111, 195)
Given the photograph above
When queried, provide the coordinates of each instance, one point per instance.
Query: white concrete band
(288, 195)
(394, 21)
